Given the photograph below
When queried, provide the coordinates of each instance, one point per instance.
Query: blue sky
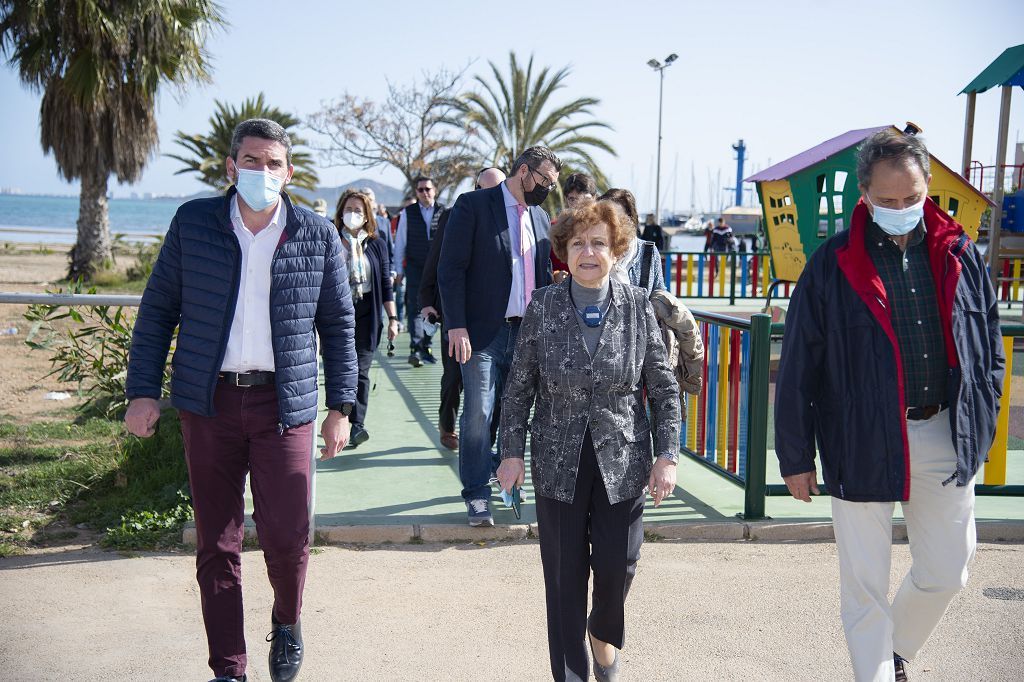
(783, 76)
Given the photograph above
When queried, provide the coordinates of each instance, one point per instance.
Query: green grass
(91, 473)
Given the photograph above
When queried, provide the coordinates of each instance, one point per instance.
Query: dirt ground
(697, 611)
(23, 371)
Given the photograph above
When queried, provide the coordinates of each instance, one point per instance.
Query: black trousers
(365, 349)
(451, 388)
(590, 534)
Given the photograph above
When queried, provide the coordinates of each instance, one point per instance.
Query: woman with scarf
(369, 269)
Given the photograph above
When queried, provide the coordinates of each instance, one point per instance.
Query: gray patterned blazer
(574, 391)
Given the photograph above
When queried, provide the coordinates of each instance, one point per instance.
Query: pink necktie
(528, 276)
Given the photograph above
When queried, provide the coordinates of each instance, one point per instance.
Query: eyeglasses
(424, 190)
(544, 181)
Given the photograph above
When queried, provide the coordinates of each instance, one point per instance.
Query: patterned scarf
(357, 274)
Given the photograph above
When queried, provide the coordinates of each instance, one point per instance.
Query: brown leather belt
(245, 379)
(926, 412)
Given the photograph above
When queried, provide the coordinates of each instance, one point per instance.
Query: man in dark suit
(430, 304)
(417, 224)
(495, 253)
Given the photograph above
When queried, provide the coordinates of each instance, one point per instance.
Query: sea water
(52, 219)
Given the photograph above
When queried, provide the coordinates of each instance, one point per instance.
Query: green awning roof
(1007, 69)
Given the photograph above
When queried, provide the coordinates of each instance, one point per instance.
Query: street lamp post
(660, 68)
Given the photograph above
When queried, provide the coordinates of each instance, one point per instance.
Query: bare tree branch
(411, 131)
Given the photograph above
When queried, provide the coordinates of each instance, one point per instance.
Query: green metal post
(757, 431)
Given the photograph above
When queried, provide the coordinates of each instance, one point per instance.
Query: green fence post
(757, 431)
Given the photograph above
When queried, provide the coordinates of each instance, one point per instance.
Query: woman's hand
(392, 329)
(512, 472)
(663, 479)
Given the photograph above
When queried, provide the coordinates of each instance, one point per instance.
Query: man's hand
(392, 330)
(663, 479)
(459, 346)
(428, 311)
(511, 472)
(398, 279)
(142, 416)
(801, 486)
(334, 431)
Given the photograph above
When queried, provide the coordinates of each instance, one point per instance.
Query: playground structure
(810, 197)
(1004, 254)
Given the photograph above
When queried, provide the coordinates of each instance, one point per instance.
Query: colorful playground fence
(726, 426)
(719, 275)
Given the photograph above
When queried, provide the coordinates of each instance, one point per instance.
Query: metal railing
(726, 426)
(733, 275)
(133, 301)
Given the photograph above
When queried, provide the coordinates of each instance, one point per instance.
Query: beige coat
(682, 340)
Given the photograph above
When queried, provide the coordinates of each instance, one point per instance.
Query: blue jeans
(419, 340)
(483, 379)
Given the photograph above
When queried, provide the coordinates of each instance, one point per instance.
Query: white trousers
(941, 531)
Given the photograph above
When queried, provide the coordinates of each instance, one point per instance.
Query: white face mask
(897, 222)
(353, 220)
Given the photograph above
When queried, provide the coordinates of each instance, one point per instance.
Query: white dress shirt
(250, 347)
(402, 235)
(517, 295)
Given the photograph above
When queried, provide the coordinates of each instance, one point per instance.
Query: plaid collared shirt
(914, 307)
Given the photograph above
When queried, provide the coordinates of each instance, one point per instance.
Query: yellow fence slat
(995, 468)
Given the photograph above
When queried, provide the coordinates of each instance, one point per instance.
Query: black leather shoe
(357, 437)
(428, 357)
(285, 651)
(414, 359)
(900, 664)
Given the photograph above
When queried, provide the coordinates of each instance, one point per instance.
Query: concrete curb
(694, 531)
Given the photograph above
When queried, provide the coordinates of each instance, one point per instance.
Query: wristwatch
(393, 318)
(344, 408)
(670, 456)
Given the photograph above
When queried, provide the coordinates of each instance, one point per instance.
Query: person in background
(320, 207)
(709, 231)
(584, 375)
(495, 254)
(369, 271)
(245, 382)
(430, 307)
(383, 225)
(653, 233)
(577, 188)
(891, 372)
(640, 265)
(417, 224)
(721, 237)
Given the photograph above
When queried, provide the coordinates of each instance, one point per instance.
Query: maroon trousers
(220, 450)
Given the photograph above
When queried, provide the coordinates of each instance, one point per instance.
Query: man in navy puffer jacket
(249, 280)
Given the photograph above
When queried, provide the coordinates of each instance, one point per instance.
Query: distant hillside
(385, 194)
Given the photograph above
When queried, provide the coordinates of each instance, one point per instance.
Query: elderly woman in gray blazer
(587, 349)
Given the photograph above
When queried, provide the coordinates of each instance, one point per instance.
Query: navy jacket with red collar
(840, 380)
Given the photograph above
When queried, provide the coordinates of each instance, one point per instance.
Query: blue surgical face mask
(898, 222)
(259, 189)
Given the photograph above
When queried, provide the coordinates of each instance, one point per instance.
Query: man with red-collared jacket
(892, 368)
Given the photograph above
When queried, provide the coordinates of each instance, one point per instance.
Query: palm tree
(208, 152)
(99, 64)
(517, 111)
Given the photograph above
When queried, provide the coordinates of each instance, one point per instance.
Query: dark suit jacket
(474, 273)
(575, 391)
(428, 294)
